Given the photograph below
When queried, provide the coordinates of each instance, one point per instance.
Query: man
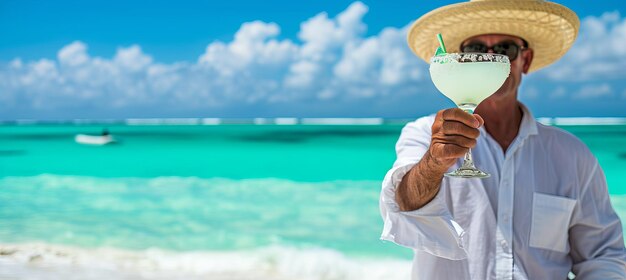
(545, 210)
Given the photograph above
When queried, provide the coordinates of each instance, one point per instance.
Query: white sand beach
(46, 261)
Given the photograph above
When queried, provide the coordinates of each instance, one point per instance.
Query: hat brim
(550, 29)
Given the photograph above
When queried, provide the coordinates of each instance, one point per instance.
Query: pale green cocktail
(468, 79)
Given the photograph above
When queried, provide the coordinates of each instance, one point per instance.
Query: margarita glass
(467, 79)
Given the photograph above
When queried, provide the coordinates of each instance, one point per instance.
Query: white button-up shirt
(544, 212)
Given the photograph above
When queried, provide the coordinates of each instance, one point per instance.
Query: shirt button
(505, 247)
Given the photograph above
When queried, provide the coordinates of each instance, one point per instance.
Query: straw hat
(550, 29)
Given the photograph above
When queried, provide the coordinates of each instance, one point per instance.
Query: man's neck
(502, 119)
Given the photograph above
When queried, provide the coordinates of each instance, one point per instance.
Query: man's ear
(527, 56)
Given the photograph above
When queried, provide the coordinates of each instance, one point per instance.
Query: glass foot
(467, 173)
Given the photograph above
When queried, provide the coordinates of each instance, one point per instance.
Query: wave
(190, 213)
(51, 261)
(204, 228)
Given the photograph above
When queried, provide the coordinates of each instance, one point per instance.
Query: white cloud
(39, 73)
(16, 63)
(132, 58)
(594, 91)
(255, 46)
(323, 36)
(383, 59)
(358, 62)
(333, 61)
(73, 54)
(302, 74)
(598, 53)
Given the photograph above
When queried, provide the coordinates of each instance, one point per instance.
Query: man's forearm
(420, 185)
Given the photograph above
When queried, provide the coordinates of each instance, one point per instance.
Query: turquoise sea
(229, 201)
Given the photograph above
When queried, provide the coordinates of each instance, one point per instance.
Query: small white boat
(93, 139)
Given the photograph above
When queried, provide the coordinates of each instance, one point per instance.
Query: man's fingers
(448, 151)
(456, 114)
(461, 141)
(453, 151)
(454, 133)
(456, 140)
(457, 128)
(480, 119)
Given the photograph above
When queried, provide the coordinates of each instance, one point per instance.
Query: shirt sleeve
(596, 237)
(430, 228)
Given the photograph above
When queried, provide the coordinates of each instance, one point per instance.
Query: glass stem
(468, 162)
(467, 107)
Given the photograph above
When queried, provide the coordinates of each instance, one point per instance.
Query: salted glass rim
(469, 57)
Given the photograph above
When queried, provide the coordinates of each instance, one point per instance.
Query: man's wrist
(434, 164)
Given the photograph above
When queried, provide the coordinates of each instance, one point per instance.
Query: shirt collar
(529, 124)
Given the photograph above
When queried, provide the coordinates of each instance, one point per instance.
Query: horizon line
(561, 121)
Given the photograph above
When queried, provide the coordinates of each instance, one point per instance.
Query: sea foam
(49, 261)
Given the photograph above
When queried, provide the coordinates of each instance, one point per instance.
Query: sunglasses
(507, 48)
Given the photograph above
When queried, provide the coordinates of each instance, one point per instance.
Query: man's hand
(454, 132)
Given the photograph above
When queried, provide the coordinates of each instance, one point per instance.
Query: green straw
(443, 47)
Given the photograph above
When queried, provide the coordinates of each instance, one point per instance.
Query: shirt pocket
(550, 222)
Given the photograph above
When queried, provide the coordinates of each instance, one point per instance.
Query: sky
(243, 59)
